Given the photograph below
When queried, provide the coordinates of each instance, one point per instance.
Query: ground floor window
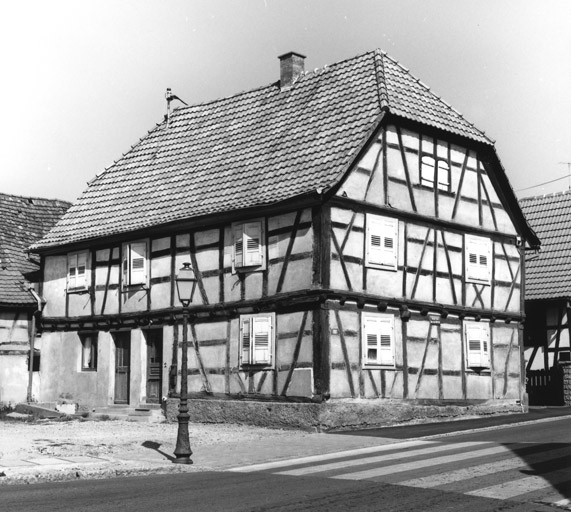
(89, 351)
(257, 336)
(378, 335)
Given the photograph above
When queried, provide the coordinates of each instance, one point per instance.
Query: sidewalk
(234, 450)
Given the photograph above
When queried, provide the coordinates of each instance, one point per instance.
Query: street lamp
(185, 285)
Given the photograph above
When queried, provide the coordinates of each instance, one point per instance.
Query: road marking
(520, 486)
(329, 456)
(410, 466)
(490, 468)
(381, 458)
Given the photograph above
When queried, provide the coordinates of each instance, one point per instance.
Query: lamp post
(185, 285)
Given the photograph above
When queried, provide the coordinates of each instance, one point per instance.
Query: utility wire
(544, 183)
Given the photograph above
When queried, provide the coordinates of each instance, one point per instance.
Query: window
(89, 352)
(378, 339)
(478, 259)
(257, 339)
(77, 271)
(381, 242)
(429, 168)
(248, 247)
(135, 263)
(477, 336)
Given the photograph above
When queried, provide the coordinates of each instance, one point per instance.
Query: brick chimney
(291, 66)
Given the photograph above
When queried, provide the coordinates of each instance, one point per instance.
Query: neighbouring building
(357, 245)
(23, 221)
(548, 296)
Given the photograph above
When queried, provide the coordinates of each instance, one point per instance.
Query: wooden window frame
(73, 263)
(477, 331)
(383, 232)
(377, 325)
(248, 256)
(91, 364)
(478, 259)
(133, 255)
(254, 355)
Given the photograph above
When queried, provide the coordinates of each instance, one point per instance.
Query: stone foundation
(343, 414)
(566, 382)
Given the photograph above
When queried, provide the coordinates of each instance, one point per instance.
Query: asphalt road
(518, 468)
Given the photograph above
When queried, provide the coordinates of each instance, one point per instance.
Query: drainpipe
(32, 340)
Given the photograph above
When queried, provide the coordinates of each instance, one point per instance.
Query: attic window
(248, 246)
(435, 170)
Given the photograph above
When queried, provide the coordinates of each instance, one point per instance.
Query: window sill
(88, 370)
(379, 367)
(78, 291)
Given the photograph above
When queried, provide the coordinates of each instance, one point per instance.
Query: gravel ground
(117, 438)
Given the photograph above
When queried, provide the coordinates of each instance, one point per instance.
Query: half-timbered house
(548, 296)
(23, 220)
(353, 237)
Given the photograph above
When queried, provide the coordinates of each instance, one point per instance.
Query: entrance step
(149, 413)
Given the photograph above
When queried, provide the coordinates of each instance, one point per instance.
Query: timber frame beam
(293, 301)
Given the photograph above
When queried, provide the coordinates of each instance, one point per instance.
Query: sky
(82, 81)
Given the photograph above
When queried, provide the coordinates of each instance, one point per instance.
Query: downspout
(32, 340)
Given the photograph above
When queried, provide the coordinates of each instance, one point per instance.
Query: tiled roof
(23, 221)
(254, 148)
(548, 273)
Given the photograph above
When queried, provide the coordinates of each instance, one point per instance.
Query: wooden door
(154, 365)
(122, 367)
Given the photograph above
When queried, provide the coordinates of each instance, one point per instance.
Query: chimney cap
(289, 54)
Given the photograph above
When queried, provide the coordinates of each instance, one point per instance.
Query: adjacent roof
(548, 272)
(254, 148)
(23, 221)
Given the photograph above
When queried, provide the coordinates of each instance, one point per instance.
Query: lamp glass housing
(186, 284)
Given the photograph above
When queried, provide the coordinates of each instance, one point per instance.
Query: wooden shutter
(82, 268)
(71, 271)
(478, 259)
(477, 345)
(262, 339)
(238, 249)
(245, 340)
(378, 339)
(381, 242)
(138, 263)
(252, 237)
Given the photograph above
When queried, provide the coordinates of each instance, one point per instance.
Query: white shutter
(262, 339)
(378, 339)
(71, 271)
(238, 251)
(82, 268)
(381, 242)
(478, 259)
(138, 263)
(252, 241)
(245, 337)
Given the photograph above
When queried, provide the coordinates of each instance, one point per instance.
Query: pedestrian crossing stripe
(490, 468)
(419, 464)
(381, 458)
(389, 455)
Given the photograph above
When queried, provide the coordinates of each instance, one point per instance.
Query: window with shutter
(477, 336)
(478, 259)
(77, 271)
(135, 264)
(248, 246)
(257, 339)
(381, 241)
(377, 334)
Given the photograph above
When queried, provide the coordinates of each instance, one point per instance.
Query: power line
(544, 183)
